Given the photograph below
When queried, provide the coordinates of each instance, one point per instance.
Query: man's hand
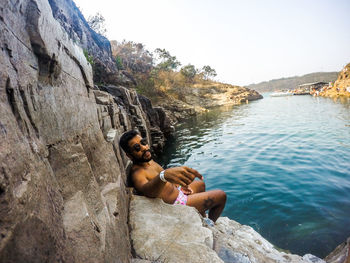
(181, 175)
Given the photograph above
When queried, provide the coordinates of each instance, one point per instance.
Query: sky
(245, 41)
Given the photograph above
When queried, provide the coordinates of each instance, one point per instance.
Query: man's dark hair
(126, 137)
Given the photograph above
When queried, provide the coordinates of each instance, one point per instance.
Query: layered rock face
(99, 47)
(175, 233)
(62, 176)
(341, 86)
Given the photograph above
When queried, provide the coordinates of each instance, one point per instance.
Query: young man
(174, 185)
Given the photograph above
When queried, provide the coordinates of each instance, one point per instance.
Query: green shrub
(90, 59)
(119, 63)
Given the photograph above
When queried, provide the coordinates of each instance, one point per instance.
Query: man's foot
(208, 222)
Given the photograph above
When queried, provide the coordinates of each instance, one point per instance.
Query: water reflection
(195, 132)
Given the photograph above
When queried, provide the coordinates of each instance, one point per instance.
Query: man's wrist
(161, 176)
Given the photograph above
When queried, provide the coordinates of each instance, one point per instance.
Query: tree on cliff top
(167, 61)
(134, 57)
(97, 23)
(208, 72)
(189, 72)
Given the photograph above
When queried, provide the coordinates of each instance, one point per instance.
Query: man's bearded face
(139, 150)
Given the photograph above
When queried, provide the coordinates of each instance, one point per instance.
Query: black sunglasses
(137, 147)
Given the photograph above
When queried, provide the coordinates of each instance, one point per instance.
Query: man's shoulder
(140, 170)
(136, 168)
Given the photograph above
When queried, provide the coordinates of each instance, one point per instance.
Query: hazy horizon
(295, 76)
(246, 42)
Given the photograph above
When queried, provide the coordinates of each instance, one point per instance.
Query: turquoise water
(284, 163)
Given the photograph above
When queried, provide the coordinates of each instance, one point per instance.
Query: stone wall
(62, 176)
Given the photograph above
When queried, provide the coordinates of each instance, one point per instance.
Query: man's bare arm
(182, 175)
(152, 188)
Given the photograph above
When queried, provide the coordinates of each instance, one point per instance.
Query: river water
(284, 163)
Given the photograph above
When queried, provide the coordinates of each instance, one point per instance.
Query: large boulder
(166, 233)
(173, 233)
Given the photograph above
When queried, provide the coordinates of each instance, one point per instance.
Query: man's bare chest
(153, 171)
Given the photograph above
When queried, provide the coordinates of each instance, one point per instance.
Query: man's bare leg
(197, 186)
(213, 200)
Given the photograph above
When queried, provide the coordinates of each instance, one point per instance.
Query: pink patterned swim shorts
(181, 198)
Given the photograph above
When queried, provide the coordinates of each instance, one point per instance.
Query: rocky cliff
(93, 44)
(341, 86)
(62, 176)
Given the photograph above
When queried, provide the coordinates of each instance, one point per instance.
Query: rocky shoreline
(341, 87)
(173, 233)
(199, 100)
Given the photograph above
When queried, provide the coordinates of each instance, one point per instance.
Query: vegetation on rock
(97, 23)
(158, 77)
(88, 57)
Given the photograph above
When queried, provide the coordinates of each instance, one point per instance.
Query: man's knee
(222, 196)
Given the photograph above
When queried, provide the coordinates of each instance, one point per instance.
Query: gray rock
(62, 184)
(103, 98)
(240, 243)
(341, 254)
(167, 233)
(227, 255)
(137, 260)
(313, 259)
(97, 46)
